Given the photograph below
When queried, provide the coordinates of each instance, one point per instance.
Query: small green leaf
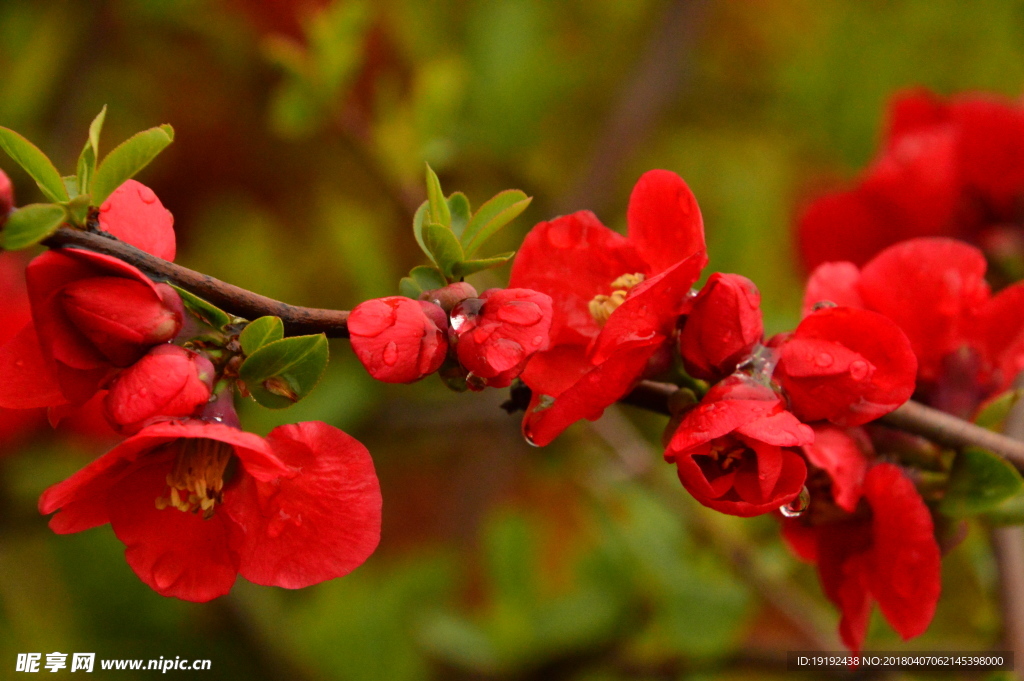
(458, 205)
(90, 153)
(259, 332)
(492, 216)
(70, 186)
(35, 163)
(993, 412)
(127, 159)
(979, 482)
(31, 224)
(439, 212)
(468, 267)
(284, 371)
(78, 210)
(1008, 512)
(408, 287)
(443, 247)
(417, 226)
(206, 311)
(427, 278)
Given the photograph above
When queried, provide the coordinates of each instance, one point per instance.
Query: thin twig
(236, 300)
(1008, 544)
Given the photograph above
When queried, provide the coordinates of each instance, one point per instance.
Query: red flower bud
(93, 313)
(723, 327)
(734, 451)
(169, 382)
(846, 365)
(398, 340)
(499, 331)
(6, 196)
(134, 214)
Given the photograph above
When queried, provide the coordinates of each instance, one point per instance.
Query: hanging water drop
(796, 508)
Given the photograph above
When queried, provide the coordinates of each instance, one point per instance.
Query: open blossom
(169, 382)
(197, 503)
(947, 168)
(722, 328)
(616, 299)
(846, 365)
(969, 343)
(397, 339)
(871, 537)
(735, 451)
(497, 333)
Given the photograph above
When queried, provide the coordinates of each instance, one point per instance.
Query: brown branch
(238, 301)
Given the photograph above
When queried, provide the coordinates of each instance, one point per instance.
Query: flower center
(727, 455)
(601, 307)
(197, 478)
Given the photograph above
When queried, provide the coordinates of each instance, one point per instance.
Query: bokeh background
(302, 129)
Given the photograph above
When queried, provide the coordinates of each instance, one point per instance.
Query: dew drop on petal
(520, 312)
(823, 360)
(146, 194)
(796, 508)
(859, 370)
(391, 353)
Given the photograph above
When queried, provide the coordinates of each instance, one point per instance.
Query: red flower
(947, 169)
(168, 382)
(497, 333)
(616, 299)
(722, 328)
(846, 365)
(197, 503)
(734, 451)
(968, 343)
(879, 546)
(82, 326)
(399, 340)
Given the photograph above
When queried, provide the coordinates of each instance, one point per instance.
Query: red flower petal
(844, 456)
(833, 282)
(174, 553)
(664, 220)
(722, 328)
(905, 564)
(841, 567)
(319, 525)
(29, 380)
(572, 259)
(134, 214)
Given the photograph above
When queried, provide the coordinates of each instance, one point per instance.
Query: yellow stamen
(602, 306)
(197, 478)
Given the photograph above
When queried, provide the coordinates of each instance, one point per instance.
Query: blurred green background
(302, 128)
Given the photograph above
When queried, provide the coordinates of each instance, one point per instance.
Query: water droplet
(796, 508)
(19, 363)
(164, 574)
(520, 312)
(859, 370)
(146, 194)
(391, 353)
(823, 305)
(538, 340)
(823, 360)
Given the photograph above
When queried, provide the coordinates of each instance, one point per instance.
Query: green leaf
(1008, 512)
(408, 287)
(35, 163)
(127, 159)
(979, 482)
(439, 211)
(284, 371)
(417, 226)
(427, 278)
(443, 247)
(260, 332)
(31, 224)
(468, 267)
(492, 216)
(458, 205)
(90, 153)
(206, 311)
(993, 412)
(70, 186)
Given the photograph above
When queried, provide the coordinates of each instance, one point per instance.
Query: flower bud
(450, 295)
(169, 382)
(6, 197)
(398, 340)
(722, 328)
(121, 317)
(499, 331)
